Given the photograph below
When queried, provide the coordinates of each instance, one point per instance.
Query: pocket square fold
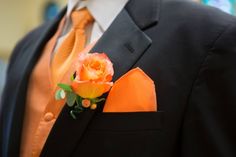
(133, 92)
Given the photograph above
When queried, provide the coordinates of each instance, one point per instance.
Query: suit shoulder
(203, 22)
(198, 13)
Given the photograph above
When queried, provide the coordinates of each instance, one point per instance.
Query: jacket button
(48, 116)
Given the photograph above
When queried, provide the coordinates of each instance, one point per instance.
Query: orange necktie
(71, 46)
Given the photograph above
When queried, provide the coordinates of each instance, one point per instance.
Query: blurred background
(19, 17)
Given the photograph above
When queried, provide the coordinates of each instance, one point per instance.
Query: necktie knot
(81, 18)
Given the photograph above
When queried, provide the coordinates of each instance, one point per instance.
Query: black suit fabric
(187, 49)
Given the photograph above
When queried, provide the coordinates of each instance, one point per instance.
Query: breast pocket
(123, 134)
(131, 121)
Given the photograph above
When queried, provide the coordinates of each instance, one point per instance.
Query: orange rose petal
(93, 75)
(87, 89)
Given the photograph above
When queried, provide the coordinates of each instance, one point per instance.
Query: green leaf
(72, 78)
(72, 114)
(78, 107)
(78, 100)
(71, 97)
(66, 87)
(60, 94)
(99, 100)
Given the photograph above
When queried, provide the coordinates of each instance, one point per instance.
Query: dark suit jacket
(189, 50)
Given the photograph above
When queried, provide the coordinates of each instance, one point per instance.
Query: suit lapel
(125, 43)
(24, 64)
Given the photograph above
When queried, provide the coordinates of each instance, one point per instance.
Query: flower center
(93, 70)
(95, 65)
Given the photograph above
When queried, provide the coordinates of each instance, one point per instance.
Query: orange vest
(42, 109)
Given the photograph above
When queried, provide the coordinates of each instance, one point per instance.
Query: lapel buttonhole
(129, 47)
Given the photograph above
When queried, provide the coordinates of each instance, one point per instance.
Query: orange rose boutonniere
(93, 78)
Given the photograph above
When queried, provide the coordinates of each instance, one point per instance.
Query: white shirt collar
(103, 11)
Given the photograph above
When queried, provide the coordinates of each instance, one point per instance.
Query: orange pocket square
(133, 92)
